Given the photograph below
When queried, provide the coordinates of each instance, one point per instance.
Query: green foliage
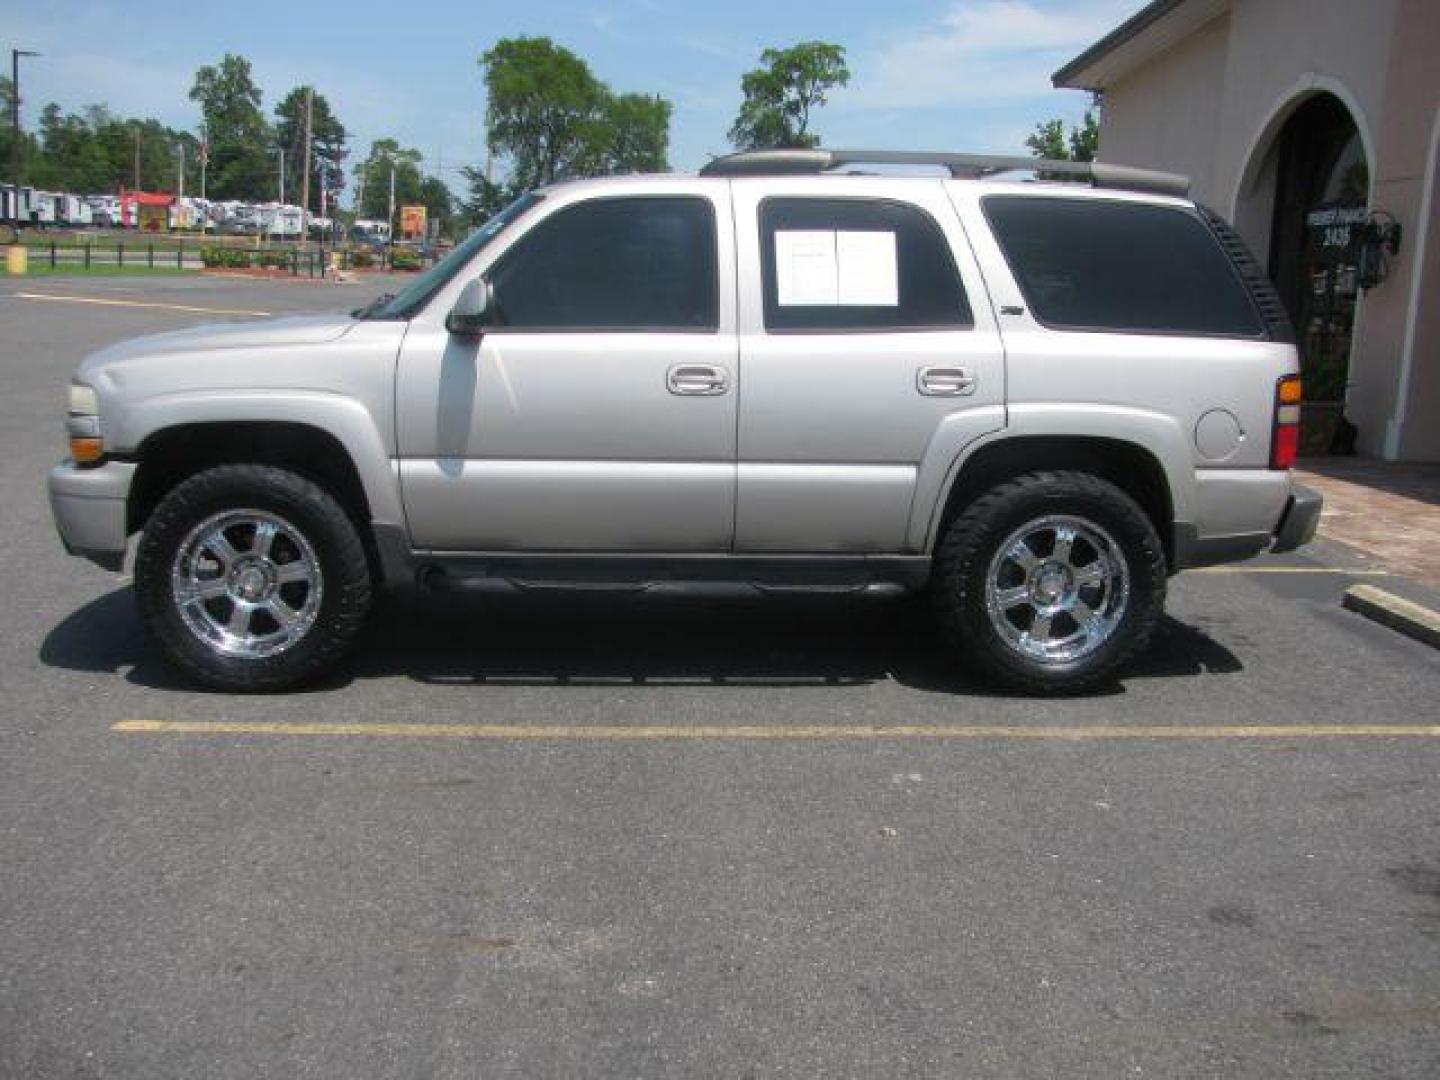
(94, 151)
(633, 135)
(550, 118)
(412, 186)
(228, 258)
(486, 198)
(1050, 140)
(327, 145)
(780, 95)
(361, 259)
(373, 177)
(404, 258)
(240, 160)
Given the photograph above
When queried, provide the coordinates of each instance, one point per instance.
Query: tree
(1049, 139)
(549, 117)
(94, 151)
(241, 161)
(327, 144)
(412, 187)
(781, 94)
(485, 199)
(632, 135)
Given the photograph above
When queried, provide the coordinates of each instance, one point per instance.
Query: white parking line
(137, 304)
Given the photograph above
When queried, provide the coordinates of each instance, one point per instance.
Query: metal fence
(309, 263)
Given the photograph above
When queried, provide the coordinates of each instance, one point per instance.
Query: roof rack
(813, 162)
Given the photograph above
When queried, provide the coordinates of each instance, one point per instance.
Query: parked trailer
(74, 211)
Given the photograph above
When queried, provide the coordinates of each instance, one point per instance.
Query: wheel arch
(1131, 466)
(171, 454)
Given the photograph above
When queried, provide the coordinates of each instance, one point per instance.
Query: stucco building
(1314, 126)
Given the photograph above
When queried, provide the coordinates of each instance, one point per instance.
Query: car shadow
(581, 639)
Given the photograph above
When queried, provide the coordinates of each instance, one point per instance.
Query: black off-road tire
(345, 597)
(972, 539)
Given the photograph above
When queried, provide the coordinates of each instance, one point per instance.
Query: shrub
(404, 259)
(227, 257)
(361, 259)
(275, 258)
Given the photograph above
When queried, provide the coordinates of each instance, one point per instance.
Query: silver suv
(1035, 399)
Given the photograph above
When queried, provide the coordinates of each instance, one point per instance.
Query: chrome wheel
(247, 583)
(1057, 589)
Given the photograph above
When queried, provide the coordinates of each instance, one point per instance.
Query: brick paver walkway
(1389, 511)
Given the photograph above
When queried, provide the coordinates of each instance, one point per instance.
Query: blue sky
(926, 74)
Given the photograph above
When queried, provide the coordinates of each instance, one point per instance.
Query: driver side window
(639, 264)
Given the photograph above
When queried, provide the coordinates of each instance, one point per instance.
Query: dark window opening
(1092, 264)
(623, 264)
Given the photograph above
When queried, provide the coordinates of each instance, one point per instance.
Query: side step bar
(778, 574)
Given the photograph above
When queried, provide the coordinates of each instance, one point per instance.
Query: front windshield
(414, 296)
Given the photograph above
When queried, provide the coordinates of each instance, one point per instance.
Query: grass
(102, 270)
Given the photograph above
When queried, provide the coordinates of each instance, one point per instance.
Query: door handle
(700, 380)
(944, 381)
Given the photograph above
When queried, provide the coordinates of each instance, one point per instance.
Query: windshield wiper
(373, 306)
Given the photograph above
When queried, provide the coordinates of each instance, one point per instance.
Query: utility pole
(391, 218)
(180, 180)
(204, 167)
(281, 154)
(17, 150)
(305, 176)
(137, 158)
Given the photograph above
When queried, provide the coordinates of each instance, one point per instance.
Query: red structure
(146, 211)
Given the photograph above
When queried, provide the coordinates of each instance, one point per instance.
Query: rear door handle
(698, 380)
(944, 381)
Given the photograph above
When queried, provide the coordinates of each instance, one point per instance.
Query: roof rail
(811, 162)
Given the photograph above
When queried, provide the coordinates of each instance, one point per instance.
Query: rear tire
(1050, 583)
(251, 578)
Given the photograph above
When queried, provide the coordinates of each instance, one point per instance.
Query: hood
(214, 337)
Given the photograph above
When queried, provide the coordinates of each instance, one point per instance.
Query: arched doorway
(1322, 185)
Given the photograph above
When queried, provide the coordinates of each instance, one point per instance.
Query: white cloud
(982, 52)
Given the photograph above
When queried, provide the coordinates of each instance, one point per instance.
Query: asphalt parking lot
(581, 836)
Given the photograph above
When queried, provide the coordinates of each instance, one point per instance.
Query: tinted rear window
(1088, 264)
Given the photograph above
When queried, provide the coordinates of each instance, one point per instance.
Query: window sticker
(830, 268)
(806, 273)
(868, 273)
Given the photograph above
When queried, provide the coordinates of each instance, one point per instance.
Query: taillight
(1285, 436)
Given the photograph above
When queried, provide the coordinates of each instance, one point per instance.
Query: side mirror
(471, 313)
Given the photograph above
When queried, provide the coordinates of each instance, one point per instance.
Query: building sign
(412, 222)
(1333, 227)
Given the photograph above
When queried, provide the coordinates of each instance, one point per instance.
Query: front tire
(251, 578)
(1050, 582)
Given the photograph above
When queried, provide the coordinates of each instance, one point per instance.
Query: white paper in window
(867, 275)
(805, 268)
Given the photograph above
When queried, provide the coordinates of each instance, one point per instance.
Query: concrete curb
(1409, 618)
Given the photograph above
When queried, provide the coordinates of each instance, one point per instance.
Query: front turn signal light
(85, 450)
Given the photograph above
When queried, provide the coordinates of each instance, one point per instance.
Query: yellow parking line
(1286, 570)
(136, 304)
(637, 732)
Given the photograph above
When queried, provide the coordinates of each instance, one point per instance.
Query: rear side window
(857, 264)
(645, 263)
(1087, 264)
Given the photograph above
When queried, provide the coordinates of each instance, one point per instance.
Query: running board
(769, 574)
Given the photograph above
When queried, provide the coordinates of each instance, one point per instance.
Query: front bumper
(89, 507)
(1300, 520)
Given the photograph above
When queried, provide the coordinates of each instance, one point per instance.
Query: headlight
(83, 400)
(82, 424)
